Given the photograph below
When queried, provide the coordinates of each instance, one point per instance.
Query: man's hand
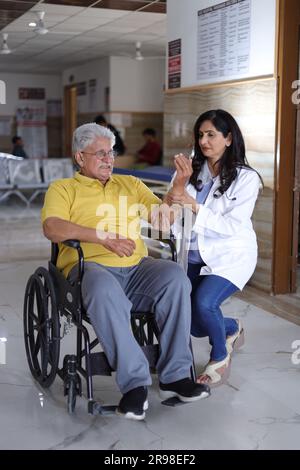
(117, 244)
(184, 171)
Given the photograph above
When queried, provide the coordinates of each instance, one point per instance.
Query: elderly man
(103, 211)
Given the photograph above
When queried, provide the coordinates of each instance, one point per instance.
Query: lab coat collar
(205, 174)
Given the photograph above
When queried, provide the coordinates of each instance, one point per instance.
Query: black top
(119, 146)
(18, 151)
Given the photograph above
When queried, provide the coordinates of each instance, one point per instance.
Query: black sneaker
(134, 403)
(185, 389)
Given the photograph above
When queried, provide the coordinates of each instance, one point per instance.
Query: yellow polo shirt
(116, 207)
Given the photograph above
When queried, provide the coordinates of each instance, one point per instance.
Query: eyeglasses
(101, 154)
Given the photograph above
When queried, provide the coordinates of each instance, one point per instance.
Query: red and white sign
(174, 64)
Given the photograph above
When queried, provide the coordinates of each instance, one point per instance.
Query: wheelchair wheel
(41, 327)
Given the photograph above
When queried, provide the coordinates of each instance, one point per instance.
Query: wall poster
(223, 40)
(31, 115)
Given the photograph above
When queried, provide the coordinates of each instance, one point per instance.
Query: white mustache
(105, 167)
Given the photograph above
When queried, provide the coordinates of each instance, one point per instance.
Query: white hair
(86, 134)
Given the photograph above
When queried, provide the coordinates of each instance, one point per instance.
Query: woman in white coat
(218, 190)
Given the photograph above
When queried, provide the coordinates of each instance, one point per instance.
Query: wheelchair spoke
(44, 336)
(37, 346)
(34, 317)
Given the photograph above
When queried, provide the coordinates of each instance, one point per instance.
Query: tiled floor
(259, 407)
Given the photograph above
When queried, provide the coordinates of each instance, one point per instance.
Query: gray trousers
(158, 286)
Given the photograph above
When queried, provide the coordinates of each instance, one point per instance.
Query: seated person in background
(18, 145)
(151, 152)
(118, 274)
(119, 146)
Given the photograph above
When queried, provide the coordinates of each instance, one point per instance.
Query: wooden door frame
(70, 117)
(287, 73)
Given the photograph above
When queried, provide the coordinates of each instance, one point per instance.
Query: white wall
(182, 22)
(136, 85)
(97, 69)
(14, 81)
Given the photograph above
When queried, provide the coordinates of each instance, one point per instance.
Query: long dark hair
(234, 156)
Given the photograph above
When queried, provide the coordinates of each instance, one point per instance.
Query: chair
(31, 177)
(25, 176)
(57, 168)
(6, 186)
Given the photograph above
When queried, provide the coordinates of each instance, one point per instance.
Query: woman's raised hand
(184, 171)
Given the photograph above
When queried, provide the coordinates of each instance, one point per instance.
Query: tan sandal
(237, 340)
(213, 371)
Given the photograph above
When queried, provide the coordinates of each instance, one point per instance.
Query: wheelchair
(50, 298)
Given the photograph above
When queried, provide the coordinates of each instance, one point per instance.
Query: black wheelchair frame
(49, 296)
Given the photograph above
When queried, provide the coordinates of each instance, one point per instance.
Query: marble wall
(253, 104)
(131, 133)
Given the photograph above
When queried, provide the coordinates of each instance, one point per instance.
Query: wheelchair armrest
(72, 243)
(76, 245)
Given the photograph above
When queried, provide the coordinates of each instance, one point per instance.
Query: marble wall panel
(253, 104)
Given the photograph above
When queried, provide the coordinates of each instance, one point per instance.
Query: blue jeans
(208, 292)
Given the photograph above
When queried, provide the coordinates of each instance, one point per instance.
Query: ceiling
(80, 31)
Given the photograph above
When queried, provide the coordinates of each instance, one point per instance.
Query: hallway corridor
(258, 408)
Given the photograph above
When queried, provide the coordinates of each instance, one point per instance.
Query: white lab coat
(226, 239)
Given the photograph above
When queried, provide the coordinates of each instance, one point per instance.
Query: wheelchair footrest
(94, 408)
(174, 401)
